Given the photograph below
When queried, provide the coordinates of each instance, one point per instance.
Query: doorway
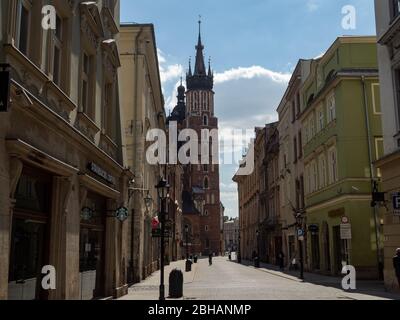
(91, 249)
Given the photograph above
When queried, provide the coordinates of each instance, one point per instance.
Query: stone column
(62, 194)
(111, 263)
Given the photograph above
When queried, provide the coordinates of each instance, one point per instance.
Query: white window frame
(333, 165)
(59, 44)
(28, 6)
(331, 107)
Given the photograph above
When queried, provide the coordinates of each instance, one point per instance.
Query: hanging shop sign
(87, 214)
(122, 214)
(4, 88)
(100, 172)
(396, 203)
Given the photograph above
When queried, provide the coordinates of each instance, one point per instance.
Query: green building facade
(342, 137)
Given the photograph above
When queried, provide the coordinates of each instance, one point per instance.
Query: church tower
(204, 178)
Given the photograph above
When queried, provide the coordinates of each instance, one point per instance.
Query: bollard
(195, 259)
(176, 284)
(188, 266)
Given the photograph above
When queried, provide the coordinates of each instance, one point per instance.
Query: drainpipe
(372, 173)
(135, 114)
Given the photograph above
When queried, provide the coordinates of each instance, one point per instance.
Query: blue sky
(254, 45)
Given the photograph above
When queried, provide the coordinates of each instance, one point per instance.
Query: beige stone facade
(143, 110)
(61, 162)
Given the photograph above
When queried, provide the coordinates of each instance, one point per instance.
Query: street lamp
(299, 220)
(239, 257)
(257, 257)
(162, 190)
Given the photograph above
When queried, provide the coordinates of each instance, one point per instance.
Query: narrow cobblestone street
(226, 280)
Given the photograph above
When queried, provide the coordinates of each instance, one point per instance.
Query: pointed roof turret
(200, 79)
(200, 67)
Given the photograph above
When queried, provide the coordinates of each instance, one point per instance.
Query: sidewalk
(363, 286)
(148, 289)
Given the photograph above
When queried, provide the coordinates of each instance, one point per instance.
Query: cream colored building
(291, 166)
(143, 109)
(388, 22)
(61, 162)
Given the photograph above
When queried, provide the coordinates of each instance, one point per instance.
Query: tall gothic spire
(200, 67)
(200, 79)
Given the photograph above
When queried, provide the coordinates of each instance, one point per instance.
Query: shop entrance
(29, 237)
(91, 249)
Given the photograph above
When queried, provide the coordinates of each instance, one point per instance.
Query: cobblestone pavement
(226, 280)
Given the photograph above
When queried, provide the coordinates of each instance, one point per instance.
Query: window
(293, 111)
(206, 213)
(205, 120)
(57, 50)
(300, 145)
(86, 83)
(395, 8)
(206, 185)
(333, 167)
(322, 171)
(298, 103)
(331, 108)
(312, 126)
(314, 168)
(295, 149)
(108, 108)
(397, 84)
(320, 119)
(206, 228)
(23, 26)
(205, 167)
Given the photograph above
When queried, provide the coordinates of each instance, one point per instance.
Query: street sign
(300, 233)
(4, 90)
(396, 203)
(345, 231)
(345, 220)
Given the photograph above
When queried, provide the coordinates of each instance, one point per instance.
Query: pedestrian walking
(396, 265)
(210, 257)
(281, 258)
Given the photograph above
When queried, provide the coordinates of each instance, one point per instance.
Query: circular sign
(300, 233)
(86, 214)
(122, 214)
(345, 220)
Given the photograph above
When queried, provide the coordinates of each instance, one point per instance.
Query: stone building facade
(143, 110)
(291, 166)
(62, 171)
(231, 235)
(388, 22)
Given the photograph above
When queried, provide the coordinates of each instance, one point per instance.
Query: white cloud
(168, 72)
(250, 73)
(313, 5)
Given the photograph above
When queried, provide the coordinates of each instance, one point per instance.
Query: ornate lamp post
(188, 263)
(162, 189)
(239, 257)
(299, 220)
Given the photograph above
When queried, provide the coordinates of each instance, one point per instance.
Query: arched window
(206, 184)
(205, 120)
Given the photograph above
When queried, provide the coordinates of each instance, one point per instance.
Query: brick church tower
(201, 195)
